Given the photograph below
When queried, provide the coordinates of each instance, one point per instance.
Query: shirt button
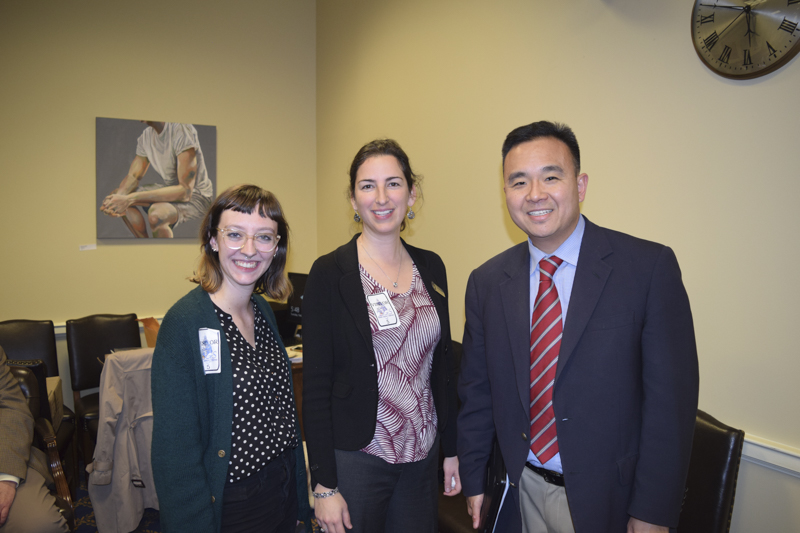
(221, 453)
(524, 436)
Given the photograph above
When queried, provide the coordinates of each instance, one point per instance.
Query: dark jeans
(382, 497)
(265, 502)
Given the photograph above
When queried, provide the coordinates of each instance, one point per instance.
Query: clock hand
(744, 10)
(738, 8)
(750, 32)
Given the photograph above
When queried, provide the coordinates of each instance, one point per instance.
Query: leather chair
(36, 339)
(31, 377)
(30, 339)
(713, 472)
(89, 339)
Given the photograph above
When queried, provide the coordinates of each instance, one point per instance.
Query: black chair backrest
(30, 339)
(713, 471)
(90, 338)
(33, 382)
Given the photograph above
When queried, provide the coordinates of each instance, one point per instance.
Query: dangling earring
(356, 217)
(411, 214)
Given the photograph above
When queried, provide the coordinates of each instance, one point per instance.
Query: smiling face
(381, 195)
(543, 194)
(242, 268)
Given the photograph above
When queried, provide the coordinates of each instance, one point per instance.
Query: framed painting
(154, 179)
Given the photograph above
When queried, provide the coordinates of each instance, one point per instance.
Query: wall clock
(745, 38)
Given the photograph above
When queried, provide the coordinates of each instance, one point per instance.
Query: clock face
(745, 38)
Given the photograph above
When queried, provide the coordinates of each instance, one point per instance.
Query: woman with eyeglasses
(226, 448)
(378, 370)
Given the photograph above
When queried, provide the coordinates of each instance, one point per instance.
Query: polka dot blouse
(263, 408)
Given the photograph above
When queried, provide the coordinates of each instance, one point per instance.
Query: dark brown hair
(244, 199)
(385, 147)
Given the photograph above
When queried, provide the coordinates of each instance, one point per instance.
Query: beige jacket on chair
(121, 478)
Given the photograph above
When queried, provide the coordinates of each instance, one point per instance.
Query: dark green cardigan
(192, 417)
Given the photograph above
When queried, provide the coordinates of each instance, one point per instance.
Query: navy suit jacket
(625, 393)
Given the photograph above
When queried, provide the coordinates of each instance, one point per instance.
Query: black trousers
(387, 498)
(265, 502)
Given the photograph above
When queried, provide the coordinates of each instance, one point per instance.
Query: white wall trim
(772, 455)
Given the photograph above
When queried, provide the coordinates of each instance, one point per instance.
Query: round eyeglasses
(236, 239)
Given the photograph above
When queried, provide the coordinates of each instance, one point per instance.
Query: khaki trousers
(34, 509)
(543, 506)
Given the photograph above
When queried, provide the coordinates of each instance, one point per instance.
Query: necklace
(394, 283)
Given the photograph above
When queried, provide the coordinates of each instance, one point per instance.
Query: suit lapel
(351, 290)
(590, 278)
(515, 295)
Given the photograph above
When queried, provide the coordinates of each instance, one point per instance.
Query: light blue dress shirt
(563, 278)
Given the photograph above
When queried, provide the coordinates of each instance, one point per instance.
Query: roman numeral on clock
(747, 60)
(725, 55)
(772, 51)
(711, 40)
(787, 25)
(710, 18)
(790, 2)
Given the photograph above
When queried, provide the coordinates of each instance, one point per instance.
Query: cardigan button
(221, 453)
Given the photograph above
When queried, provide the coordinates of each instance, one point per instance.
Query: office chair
(89, 340)
(32, 382)
(25, 340)
(713, 472)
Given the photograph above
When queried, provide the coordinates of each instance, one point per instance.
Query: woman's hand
(331, 512)
(452, 481)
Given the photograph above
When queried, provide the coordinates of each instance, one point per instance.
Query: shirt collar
(568, 251)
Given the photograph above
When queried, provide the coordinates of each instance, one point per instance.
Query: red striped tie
(546, 328)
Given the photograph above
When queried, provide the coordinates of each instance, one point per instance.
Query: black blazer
(340, 379)
(625, 393)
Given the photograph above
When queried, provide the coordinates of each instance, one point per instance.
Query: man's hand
(331, 512)
(452, 481)
(116, 205)
(474, 504)
(8, 489)
(637, 526)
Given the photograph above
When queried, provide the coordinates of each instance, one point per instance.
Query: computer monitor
(295, 301)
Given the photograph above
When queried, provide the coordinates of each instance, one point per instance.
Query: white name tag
(384, 310)
(209, 350)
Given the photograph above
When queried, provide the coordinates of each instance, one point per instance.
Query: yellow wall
(246, 67)
(674, 153)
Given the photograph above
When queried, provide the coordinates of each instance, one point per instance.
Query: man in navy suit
(593, 395)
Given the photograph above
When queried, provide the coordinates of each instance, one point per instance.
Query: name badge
(209, 350)
(384, 310)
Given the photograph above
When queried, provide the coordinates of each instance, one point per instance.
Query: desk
(120, 477)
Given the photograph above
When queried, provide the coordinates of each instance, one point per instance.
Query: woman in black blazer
(379, 382)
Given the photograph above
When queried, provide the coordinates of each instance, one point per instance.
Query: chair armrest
(45, 430)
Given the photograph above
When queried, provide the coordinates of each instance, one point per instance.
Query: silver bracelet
(326, 494)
